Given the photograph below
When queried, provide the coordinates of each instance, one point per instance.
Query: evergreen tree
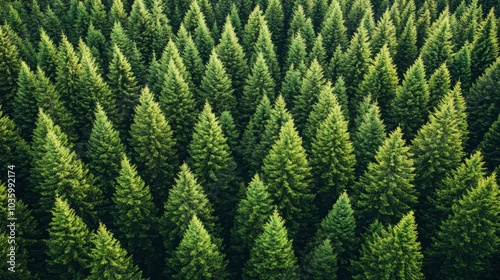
(484, 48)
(104, 153)
(460, 67)
(332, 158)
(385, 34)
(96, 42)
(97, 15)
(47, 56)
(272, 256)
(81, 22)
(312, 85)
(355, 15)
(177, 102)
(291, 190)
(333, 29)
(161, 27)
(152, 143)
(186, 199)
(117, 13)
(439, 85)
(489, 147)
(232, 134)
(406, 50)
(292, 83)
(394, 252)
(252, 29)
(318, 52)
(300, 22)
(140, 27)
(297, 51)
(265, 45)
(135, 216)
(386, 192)
(467, 241)
(192, 60)
(67, 246)
(381, 81)
(216, 87)
(109, 260)
(438, 47)
(203, 38)
(197, 256)
(252, 213)
(25, 105)
(327, 100)
(258, 84)
(368, 137)
(9, 69)
(410, 106)
(52, 23)
(322, 262)
(124, 87)
(231, 53)
(275, 20)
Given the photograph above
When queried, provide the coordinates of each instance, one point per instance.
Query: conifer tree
(439, 85)
(264, 45)
(152, 143)
(484, 49)
(272, 256)
(386, 192)
(356, 59)
(197, 256)
(392, 252)
(385, 34)
(410, 105)
(438, 47)
(140, 27)
(117, 13)
(252, 213)
(96, 42)
(252, 29)
(232, 134)
(292, 83)
(203, 38)
(406, 50)
(192, 61)
(312, 84)
(81, 22)
(489, 147)
(186, 198)
(318, 52)
(161, 27)
(381, 80)
(339, 227)
(47, 57)
(108, 259)
(355, 15)
(25, 105)
(216, 87)
(333, 29)
(9, 69)
(297, 51)
(191, 20)
(467, 241)
(278, 116)
(177, 102)
(135, 216)
(275, 20)
(332, 158)
(258, 84)
(231, 53)
(124, 87)
(460, 67)
(67, 246)
(322, 262)
(300, 22)
(97, 15)
(368, 137)
(319, 112)
(291, 190)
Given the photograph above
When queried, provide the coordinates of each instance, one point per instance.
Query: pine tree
(381, 81)
(252, 213)
(69, 239)
(192, 60)
(47, 56)
(186, 199)
(410, 106)
(439, 85)
(322, 262)
(272, 256)
(318, 52)
(161, 27)
(467, 241)
(216, 87)
(81, 22)
(386, 191)
(104, 153)
(140, 27)
(124, 87)
(489, 147)
(97, 15)
(117, 13)
(312, 85)
(355, 15)
(297, 51)
(460, 67)
(97, 44)
(327, 100)
(394, 252)
(368, 137)
(152, 143)
(333, 29)
(438, 47)
(484, 48)
(278, 116)
(197, 256)
(258, 84)
(232, 134)
(9, 69)
(231, 53)
(406, 50)
(178, 103)
(356, 59)
(264, 45)
(332, 158)
(203, 38)
(252, 29)
(385, 34)
(109, 260)
(135, 216)
(300, 22)
(25, 105)
(275, 20)
(291, 190)
(292, 83)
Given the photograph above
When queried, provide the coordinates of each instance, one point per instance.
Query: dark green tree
(438, 46)
(152, 144)
(231, 132)
(439, 85)
(322, 262)
(272, 256)
(67, 246)
(197, 256)
(9, 69)
(97, 44)
(297, 51)
(484, 49)
(264, 45)
(319, 112)
(333, 29)
(162, 31)
(47, 56)
(275, 20)
(117, 13)
(410, 106)
(489, 147)
(292, 83)
(203, 38)
(141, 29)
(406, 50)
(252, 29)
(192, 60)
(318, 52)
(385, 34)
(129, 49)
(25, 105)
(109, 260)
(460, 67)
(303, 24)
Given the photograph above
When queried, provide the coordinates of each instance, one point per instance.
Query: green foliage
(67, 246)
(406, 50)
(229, 130)
(300, 22)
(322, 262)
(152, 145)
(489, 146)
(438, 46)
(327, 100)
(385, 34)
(203, 39)
(216, 87)
(460, 67)
(9, 65)
(141, 29)
(109, 260)
(129, 49)
(318, 52)
(275, 20)
(439, 85)
(333, 29)
(192, 60)
(297, 52)
(25, 105)
(484, 48)
(264, 45)
(272, 256)
(47, 56)
(292, 83)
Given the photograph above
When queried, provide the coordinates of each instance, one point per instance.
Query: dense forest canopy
(252, 139)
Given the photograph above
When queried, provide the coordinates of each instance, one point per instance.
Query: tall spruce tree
(47, 56)
(69, 71)
(192, 60)
(272, 256)
(438, 46)
(489, 147)
(460, 67)
(484, 48)
(406, 50)
(439, 85)
(152, 143)
(297, 51)
(385, 34)
(252, 29)
(264, 45)
(275, 19)
(25, 105)
(333, 29)
(327, 100)
(140, 27)
(9, 65)
(322, 262)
